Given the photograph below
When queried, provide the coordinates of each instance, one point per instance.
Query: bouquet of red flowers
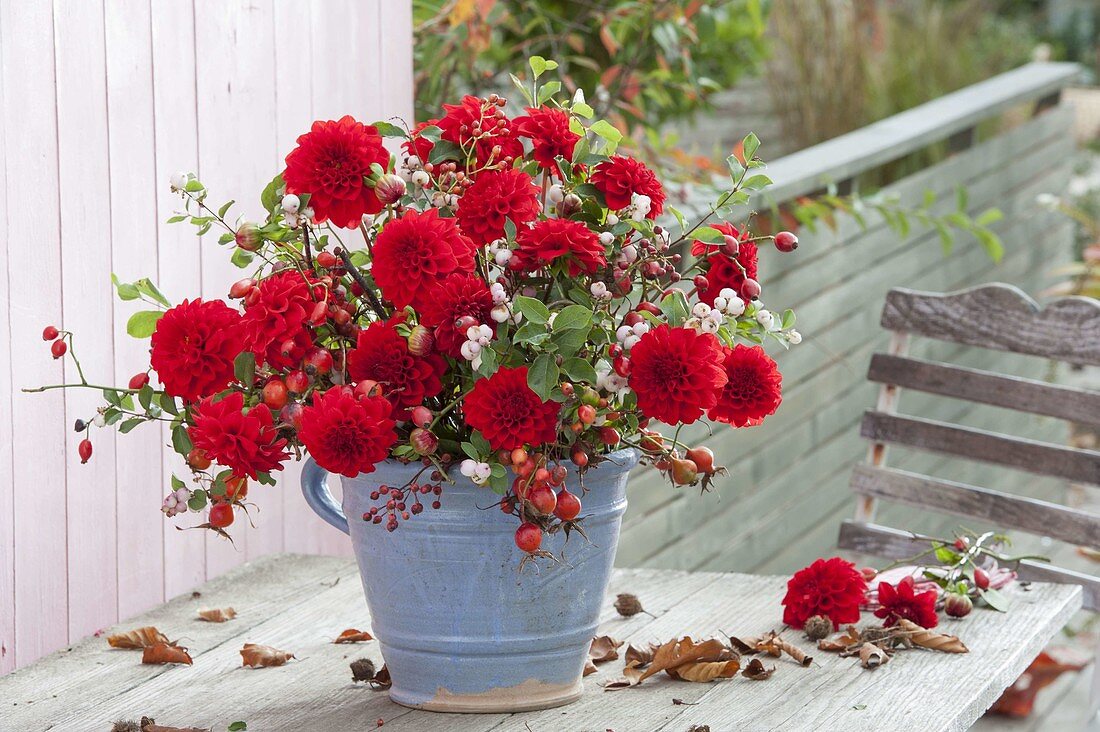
(509, 300)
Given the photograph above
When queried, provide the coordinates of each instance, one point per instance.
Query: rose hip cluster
(496, 302)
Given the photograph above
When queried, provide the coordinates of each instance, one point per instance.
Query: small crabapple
(542, 498)
(297, 382)
(291, 414)
(586, 413)
(568, 506)
(327, 260)
(703, 457)
(319, 361)
(221, 515)
(58, 348)
(528, 537)
(275, 394)
(49, 333)
(684, 472)
(421, 416)
(197, 459)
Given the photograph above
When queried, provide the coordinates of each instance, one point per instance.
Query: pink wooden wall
(101, 101)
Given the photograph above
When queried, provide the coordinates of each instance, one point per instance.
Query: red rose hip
(528, 537)
(275, 394)
(785, 241)
(58, 348)
(138, 381)
(569, 506)
(85, 450)
(221, 515)
(49, 333)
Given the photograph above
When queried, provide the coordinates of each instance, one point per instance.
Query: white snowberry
(468, 467)
(606, 238)
(291, 203)
(794, 337)
(499, 313)
(502, 257)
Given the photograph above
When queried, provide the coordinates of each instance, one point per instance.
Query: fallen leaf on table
(871, 656)
(775, 646)
(676, 653)
(352, 635)
(756, 671)
(931, 639)
(849, 638)
(704, 671)
(604, 648)
(217, 615)
(747, 645)
(589, 668)
(165, 653)
(639, 656)
(137, 638)
(148, 725)
(255, 655)
(699, 728)
(1019, 699)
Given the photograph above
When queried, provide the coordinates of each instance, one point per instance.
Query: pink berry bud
(785, 241)
(241, 288)
(421, 341)
(981, 578)
(390, 188)
(731, 246)
(248, 237)
(957, 605)
(750, 289)
(423, 441)
(421, 416)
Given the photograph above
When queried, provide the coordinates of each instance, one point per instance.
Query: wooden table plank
(294, 603)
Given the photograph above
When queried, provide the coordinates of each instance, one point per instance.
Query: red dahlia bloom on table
(551, 239)
(382, 354)
(676, 373)
(347, 434)
(551, 138)
(330, 163)
(193, 348)
(497, 195)
(454, 297)
(245, 442)
(274, 321)
(753, 390)
(508, 414)
(901, 601)
(725, 271)
(458, 123)
(415, 252)
(620, 177)
(830, 587)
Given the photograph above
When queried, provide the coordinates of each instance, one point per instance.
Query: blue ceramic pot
(461, 628)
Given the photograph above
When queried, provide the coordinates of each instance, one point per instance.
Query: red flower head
(550, 239)
(245, 442)
(416, 251)
(830, 587)
(330, 163)
(419, 146)
(550, 134)
(382, 354)
(753, 387)
(505, 410)
(725, 271)
(345, 434)
(456, 296)
(900, 601)
(621, 176)
(677, 373)
(497, 195)
(458, 125)
(193, 348)
(275, 320)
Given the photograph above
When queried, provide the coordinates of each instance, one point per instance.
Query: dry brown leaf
(352, 635)
(604, 648)
(931, 639)
(382, 679)
(137, 638)
(149, 725)
(849, 638)
(704, 671)
(871, 656)
(747, 645)
(1018, 699)
(257, 656)
(162, 728)
(756, 671)
(774, 645)
(639, 656)
(589, 668)
(165, 653)
(678, 652)
(217, 615)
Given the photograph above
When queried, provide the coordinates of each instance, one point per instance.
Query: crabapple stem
(85, 385)
(358, 277)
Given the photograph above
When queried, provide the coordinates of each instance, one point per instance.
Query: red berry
(609, 436)
(319, 314)
(557, 475)
(326, 259)
(868, 573)
(318, 361)
(960, 544)
(138, 381)
(221, 515)
(421, 416)
(632, 318)
(58, 348)
(236, 488)
(292, 415)
(519, 456)
(586, 414)
(542, 498)
(785, 241)
(464, 323)
(730, 245)
(297, 382)
(579, 457)
(700, 282)
(542, 475)
(198, 460)
(569, 506)
(621, 365)
(981, 578)
(703, 457)
(85, 450)
(528, 537)
(49, 333)
(684, 472)
(750, 289)
(241, 288)
(275, 394)
(367, 388)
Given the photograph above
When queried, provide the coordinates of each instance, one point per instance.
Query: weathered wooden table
(300, 604)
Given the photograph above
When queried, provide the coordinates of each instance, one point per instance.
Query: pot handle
(317, 494)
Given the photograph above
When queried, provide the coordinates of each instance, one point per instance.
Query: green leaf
(145, 397)
(470, 450)
(244, 368)
(946, 555)
(607, 131)
(547, 91)
(750, 145)
(241, 258)
(125, 290)
(708, 235)
(532, 333)
(989, 216)
(270, 198)
(238, 726)
(489, 362)
(736, 169)
(991, 243)
(445, 150)
(572, 317)
(130, 424)
(388, 129)
(518, 83)
(225, 209)
(177, 483)
(582, 110)
(570, 341)
(146, 287)
(962, 198)
(197, 502)
(994, 599)
(177, 218)
(578, 369)
(539, 65)
(480, 443)
(168, 404)
(674, 305)
(532, 309)
(181, 442)
(142, 323)
(757, 182)
(542, 376)
(431, 133)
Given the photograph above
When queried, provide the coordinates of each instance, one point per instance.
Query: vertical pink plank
(34, 299)
(140, 483)
(87, 300)
(7, 481)
(396, 45)
(235, 55)
(180, 250)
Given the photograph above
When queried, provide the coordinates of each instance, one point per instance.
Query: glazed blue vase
(462, 627)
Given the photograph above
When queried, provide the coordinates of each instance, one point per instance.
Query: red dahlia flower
(382, 354)
(724, 270)
(550, 239)
(676, 373)
(458, 123)
(753, 387)
(330, 163)
(415, 252)
(497, 195)
(900, 601)
(456, 296)
(549, 131)
(193, 348)
(621, 176)
(245, 442)
(509, 415)
(830, 587)
(419, 146)
(275, 319)
(345, 434)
